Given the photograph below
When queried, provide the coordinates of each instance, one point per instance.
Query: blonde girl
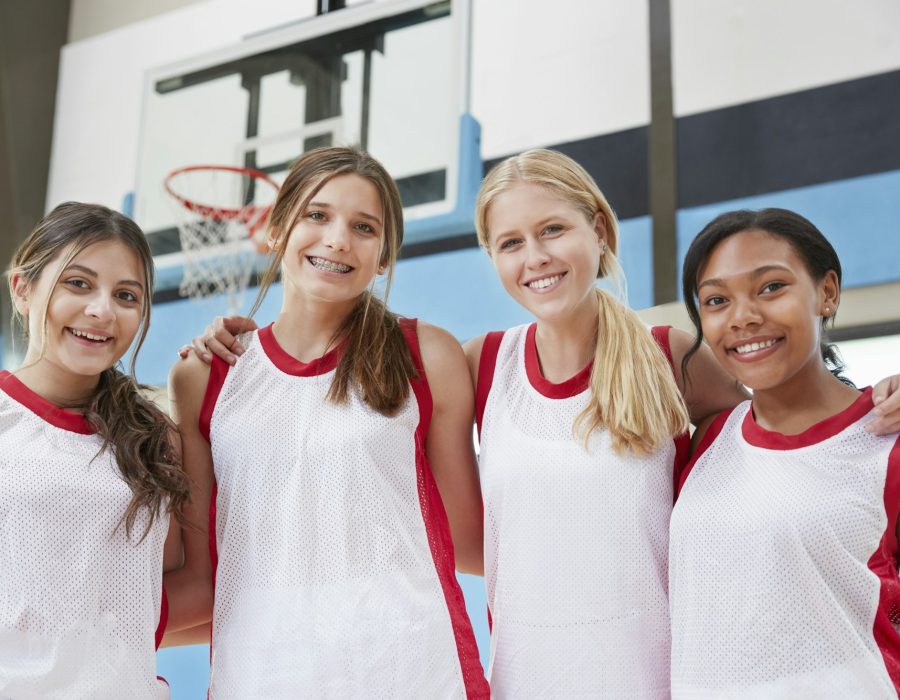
(336, 458)
(89, 469)
(583, 418)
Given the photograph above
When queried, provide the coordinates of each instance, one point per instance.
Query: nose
(536, 255)
(745, 312)
(337, 235)
(100, 307)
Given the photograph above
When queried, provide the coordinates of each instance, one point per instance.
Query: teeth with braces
(329, 266)
(89, 336)
(750, 347)
(545, 282)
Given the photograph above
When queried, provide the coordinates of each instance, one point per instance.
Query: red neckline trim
(758, 436)
(564, 390)
(43, 409)
(291, 365)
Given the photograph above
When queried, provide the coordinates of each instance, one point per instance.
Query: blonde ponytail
(633, 390)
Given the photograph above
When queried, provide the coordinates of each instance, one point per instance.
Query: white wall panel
(727, 52)
(549, 72)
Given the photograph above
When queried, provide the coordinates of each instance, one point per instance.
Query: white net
(221, 224)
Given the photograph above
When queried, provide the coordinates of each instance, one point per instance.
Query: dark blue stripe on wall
(805, 138)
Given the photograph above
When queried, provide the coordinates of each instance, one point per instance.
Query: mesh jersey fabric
(335, 573)
(575, 542)
(79, 601)
(783, 563)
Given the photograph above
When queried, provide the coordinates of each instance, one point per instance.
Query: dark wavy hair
(801, 234)
(130, 424)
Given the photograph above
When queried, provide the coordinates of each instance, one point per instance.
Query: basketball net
(222, 215)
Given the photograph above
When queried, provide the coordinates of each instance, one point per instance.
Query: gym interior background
(680, 109)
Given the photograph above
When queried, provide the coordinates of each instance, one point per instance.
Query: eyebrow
(758, 272)
(361, 214)
(91, 273)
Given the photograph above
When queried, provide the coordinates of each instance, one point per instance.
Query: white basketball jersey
(79, 601)
(335, 574)
(784, 563)
(576, 539)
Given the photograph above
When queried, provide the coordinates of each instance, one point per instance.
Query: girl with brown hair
(336, 458)
(89, 471)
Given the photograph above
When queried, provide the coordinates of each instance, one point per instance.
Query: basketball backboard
(390, 77)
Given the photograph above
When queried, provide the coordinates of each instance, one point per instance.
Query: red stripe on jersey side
(682, 442)
(437, 529)
(884, 564)
(711, 434)
(163, 618)
(486, 365)
(218, 370)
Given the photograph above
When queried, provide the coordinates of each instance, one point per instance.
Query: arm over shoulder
(449, 443)
(189, 586)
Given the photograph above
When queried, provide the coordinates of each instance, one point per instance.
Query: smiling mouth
(328, 265)
(545, 282)
(754, 347)
(92, 337)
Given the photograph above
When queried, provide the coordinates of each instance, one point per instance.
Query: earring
(602, 247)
(827, 311)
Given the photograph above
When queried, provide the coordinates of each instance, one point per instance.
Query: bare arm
(449, 444)
(189, 586)
(708, 389)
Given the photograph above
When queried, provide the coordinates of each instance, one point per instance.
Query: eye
(509, 243)
(714, 300)
(315, 216)
(772, 287)
(551, 229)
(77, 283)
(365, 228)
(128, 296)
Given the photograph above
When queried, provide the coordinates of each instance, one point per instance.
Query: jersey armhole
(218, 370)
(486, 365)
(661, 336)
(420, 387)
(711, 434)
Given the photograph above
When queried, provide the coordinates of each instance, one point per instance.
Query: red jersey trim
(758, 436)
(291, 365)
(711, 434)
(43, 409)
(437, 529)
(218, 371)
(163, 618)
(486, 365)
(564, 390)
(883, 564)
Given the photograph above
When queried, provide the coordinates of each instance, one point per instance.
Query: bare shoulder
(187, 383)
(442, 357)
(472, 349)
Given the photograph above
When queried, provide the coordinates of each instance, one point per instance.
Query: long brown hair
(377, 360)
(137, 432)
(633, 390)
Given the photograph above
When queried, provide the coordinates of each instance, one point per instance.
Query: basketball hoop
(223, 212)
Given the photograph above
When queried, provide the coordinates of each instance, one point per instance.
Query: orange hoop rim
(243, 215)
